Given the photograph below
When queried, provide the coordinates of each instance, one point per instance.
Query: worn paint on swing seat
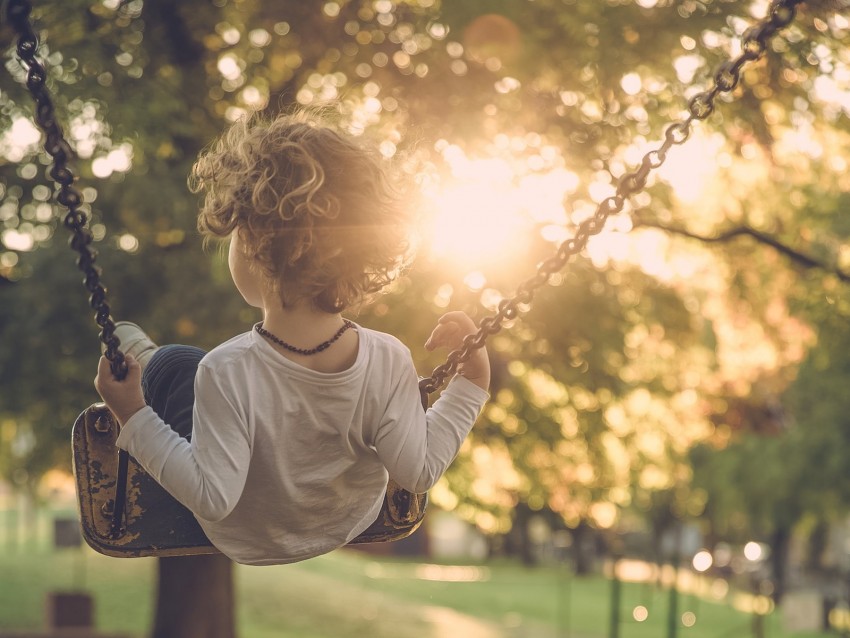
(153, 523)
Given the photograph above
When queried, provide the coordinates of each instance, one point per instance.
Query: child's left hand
(449, 333)
(124, 398)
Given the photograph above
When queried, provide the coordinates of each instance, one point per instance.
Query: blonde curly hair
(314, 208)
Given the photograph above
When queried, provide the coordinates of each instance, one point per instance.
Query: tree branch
(799, 258)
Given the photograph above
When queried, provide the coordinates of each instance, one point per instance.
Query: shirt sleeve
(416, 446)
(208, 474)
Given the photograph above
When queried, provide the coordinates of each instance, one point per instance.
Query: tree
(594, 407)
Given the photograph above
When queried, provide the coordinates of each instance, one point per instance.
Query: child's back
(292, 445)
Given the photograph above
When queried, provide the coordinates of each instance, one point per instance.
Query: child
(296, 424)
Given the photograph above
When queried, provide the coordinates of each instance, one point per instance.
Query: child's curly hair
(314, 209)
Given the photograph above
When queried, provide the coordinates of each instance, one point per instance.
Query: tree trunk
(195, 598)
(518, 541)
(780, 542)
(818, 541)
(583, 554)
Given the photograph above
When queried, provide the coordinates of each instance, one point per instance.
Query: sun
(476, 222)
(484, 214)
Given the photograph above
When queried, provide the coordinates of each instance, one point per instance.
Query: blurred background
(665, 450)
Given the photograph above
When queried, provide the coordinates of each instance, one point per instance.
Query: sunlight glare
(689, 168)
(830, 91)
(485, 213)
(229, 67)
(15, 240)
(475, 280)
(19, 139)
(702, 560)
(118, 160)
(753, 551)
(23, 133)
(631, 83)
(474, 221)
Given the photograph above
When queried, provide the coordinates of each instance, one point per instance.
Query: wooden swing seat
(152, 522)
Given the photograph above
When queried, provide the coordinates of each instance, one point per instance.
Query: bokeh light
(753, 551)
(702, 560)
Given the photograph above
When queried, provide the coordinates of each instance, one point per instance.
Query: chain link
(18, 13)
(754, 44)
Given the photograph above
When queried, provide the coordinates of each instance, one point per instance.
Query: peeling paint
(155, 524)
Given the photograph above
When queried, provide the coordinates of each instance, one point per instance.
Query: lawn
(349, 594)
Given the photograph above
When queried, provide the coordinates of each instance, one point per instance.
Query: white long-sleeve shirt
(286, 463)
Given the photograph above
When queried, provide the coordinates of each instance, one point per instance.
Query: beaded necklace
(319, 348)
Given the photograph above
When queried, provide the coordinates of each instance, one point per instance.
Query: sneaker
(135, 342)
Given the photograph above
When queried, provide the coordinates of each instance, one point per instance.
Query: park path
(448, 623)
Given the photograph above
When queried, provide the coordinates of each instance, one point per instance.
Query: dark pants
(168, 383)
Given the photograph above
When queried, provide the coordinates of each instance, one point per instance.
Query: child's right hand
(124, 398)
(449, 333)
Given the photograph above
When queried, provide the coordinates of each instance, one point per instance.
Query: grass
(349, 594)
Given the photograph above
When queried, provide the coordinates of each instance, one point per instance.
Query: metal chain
(780, 14)
(18, 13)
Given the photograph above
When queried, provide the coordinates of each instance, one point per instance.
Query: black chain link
(18, 13)
(754, 44)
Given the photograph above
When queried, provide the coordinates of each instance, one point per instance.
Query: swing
(124, 512)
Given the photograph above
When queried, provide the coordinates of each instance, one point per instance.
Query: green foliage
(621, 368)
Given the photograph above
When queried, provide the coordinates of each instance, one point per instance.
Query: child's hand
(449, 333)
(124, 398)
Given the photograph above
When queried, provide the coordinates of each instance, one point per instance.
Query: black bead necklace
(319, 348)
